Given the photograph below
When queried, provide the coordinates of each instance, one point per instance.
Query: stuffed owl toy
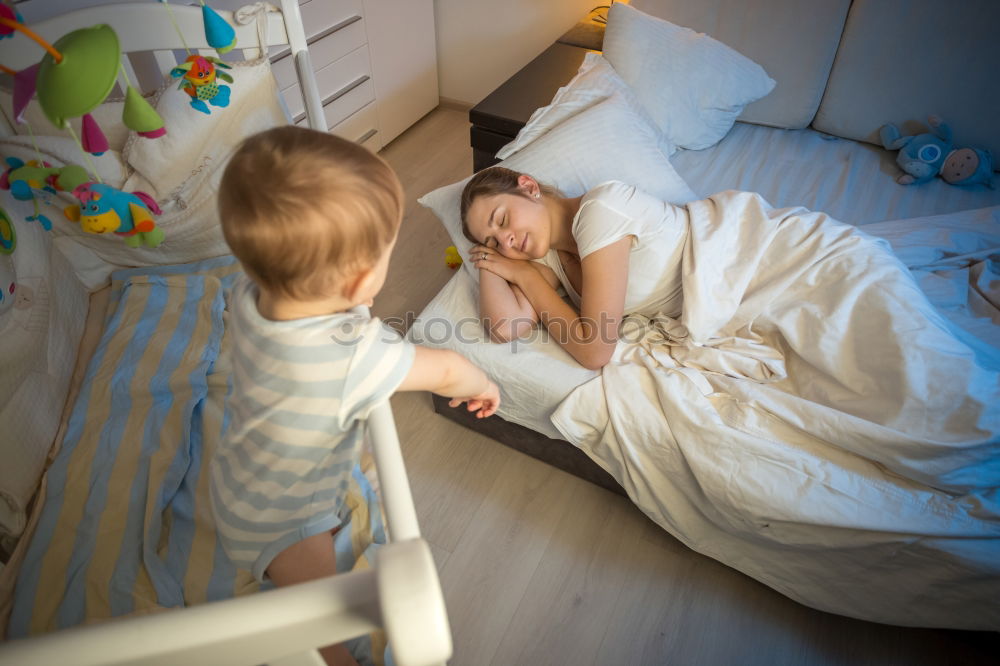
(924, 156)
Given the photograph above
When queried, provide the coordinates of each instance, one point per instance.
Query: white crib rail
(283, 627)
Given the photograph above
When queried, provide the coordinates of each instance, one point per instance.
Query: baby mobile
(23, 178)
(200, 75)
(74, 77)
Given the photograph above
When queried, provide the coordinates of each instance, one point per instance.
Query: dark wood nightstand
(500, 116)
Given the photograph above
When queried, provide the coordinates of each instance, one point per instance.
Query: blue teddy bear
(924, 156)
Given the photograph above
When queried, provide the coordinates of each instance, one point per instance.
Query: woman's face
(518, 227)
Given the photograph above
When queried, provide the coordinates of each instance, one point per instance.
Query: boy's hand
(486, 402)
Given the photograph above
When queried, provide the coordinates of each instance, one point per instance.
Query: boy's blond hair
(305, 211)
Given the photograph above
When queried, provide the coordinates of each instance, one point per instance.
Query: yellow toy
(452, 257)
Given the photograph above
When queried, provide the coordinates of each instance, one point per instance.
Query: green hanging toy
(74, 77)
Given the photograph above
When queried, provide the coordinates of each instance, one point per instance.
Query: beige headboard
(901, 60)
(793, 40)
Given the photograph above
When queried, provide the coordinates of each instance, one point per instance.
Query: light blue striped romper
(301, 392)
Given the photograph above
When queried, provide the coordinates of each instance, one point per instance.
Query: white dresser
(375, 64)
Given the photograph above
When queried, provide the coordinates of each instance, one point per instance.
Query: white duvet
(811, 419)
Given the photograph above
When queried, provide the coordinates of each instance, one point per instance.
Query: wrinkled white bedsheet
(812, 419)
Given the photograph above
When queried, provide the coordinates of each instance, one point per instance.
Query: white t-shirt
(301, 392)
(613, 210)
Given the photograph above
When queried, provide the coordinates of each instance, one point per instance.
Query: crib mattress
(851, 181)
(124, 524)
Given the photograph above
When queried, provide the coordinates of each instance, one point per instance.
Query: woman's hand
(486, 258)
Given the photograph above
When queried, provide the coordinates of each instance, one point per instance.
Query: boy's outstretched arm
(451, 375)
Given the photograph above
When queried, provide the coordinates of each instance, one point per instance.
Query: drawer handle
(287, 50)
(346, 89)
(329, 99)
(369, 134)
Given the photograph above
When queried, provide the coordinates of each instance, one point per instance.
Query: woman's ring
(483, 257)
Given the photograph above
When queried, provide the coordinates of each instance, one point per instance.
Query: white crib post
(401, 516)
(303, 66)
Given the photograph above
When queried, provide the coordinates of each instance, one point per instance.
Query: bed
(104, 513)
(823, 524)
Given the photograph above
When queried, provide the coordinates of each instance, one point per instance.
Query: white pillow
(608, 141)
(693, 86)
(196, 142)
(596, 81)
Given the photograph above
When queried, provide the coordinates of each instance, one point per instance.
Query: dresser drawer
(339, 109)
(320, 14)
(372, 143)
(327, 45)
(360, 126)
(337, 80)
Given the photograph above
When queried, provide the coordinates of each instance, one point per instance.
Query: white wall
(481, 43)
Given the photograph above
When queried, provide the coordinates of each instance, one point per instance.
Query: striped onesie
(301, 392)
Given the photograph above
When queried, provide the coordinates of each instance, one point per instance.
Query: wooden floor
(539, 567)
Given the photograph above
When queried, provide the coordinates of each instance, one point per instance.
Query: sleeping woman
(813, 321)
(617, 248)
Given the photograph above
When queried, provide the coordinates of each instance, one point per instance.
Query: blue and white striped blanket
(126, 525)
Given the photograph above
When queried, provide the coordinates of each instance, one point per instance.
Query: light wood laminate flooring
(539, 567)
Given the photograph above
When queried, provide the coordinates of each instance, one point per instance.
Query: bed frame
(283, 627)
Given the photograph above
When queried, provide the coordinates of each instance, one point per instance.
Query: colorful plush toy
(8, 279)
(11, 15)
(8, 283)
(8, 238)
(25, 179)
(104, 209)
(924, 156)
(22, 177)
(452, 258)
(199, 78)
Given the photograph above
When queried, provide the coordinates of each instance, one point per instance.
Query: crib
(400, 592)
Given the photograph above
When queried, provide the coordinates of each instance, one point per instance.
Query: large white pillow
(794, 41)
(196, 142)
(693, 86)
(608, 141)
(596, 81)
